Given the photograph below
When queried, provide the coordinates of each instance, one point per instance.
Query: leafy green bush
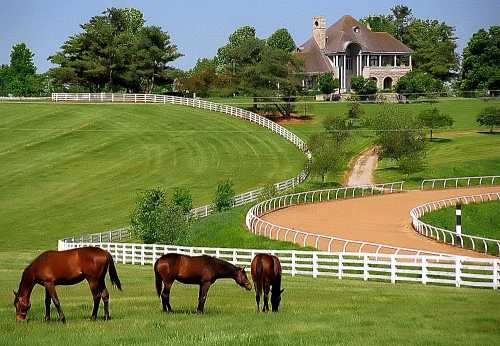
(355, 110)
(154, 220)
(365, 88)
(224, 195)
(489, 116)
(182, 197)
(327, 84)
(434, 119)
(418, 84)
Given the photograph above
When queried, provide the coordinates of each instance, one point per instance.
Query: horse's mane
(223, 265)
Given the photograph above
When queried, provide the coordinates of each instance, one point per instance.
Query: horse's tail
(113, 275)
(158, 280)
(258, 274)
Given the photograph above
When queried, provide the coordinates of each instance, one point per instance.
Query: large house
(349, 48)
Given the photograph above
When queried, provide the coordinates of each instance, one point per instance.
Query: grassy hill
(75, 168)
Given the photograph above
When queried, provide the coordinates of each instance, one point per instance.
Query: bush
(434, 119)
(365, 88)
(355, 111)
(489, 116)
(155, 221)
(182, 198)
(269, 191)
(327, 84)
(224, 196)
(337, 128)
(417, 84)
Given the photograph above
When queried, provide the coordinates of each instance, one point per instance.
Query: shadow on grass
(495, 133)
(440, 140)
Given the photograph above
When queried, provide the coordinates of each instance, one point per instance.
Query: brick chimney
(319, 30)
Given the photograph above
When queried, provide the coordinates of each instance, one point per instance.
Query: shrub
(327, 155)
(434, 119)
(155, 221)
(416, 84)
(182, 197)
(355, 111)
(224, 196)
(489, 116)
(327, 84)
(337, 128)
(365, 88)
(268, 191)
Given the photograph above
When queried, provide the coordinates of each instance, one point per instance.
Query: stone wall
(381, 73)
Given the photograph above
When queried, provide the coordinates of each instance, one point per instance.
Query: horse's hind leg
(202, 297)
(105, 299)
(53, 294)
(165, 296)
(96, 290)
(47, 305)
(266, 297)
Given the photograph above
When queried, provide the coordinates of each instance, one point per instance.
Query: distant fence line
(456, 271)
(238, 200)
(476, 243)
(459, 182)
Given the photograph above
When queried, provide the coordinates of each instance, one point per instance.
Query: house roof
(340, 35)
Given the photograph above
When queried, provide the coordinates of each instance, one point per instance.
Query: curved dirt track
(383, 219)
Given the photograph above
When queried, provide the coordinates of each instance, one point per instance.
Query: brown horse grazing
(266, 272)
(68, 267)
(198, 270)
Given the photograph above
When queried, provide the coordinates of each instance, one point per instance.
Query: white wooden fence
(453, 270)
(486, 245)
(259, 226)
(241, 199)
(459, 182)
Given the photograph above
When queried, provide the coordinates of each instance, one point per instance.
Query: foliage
(224, 196)
(433, 45)
(282, 40)
(481, 61)
(434, 119)
(268, 191)
(19, 78)
(327, 84)
(380, 23)
(115, 51)
(355, 110)
(418, 84)
(327, 155)
(182, 198)
(399, 137)
(490, 117)
(337, 128)
(154, 220)
(363, 87)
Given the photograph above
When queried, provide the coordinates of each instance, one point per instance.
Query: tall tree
(481, 61)
(402, 17)
(115, 51)
(20, 76)
(433, 45)
(281, 39)
(381, 23)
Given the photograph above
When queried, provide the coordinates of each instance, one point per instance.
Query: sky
(199, 27)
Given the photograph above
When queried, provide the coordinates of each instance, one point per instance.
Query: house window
(355, 29)
(373, 60)
(349, 63)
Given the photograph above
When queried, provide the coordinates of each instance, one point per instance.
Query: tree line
(117, 51)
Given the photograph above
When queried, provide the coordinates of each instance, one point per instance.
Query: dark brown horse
(69, 267)
(197, 270)
(266, 273)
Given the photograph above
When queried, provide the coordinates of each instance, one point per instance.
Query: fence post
(234, 257)
(340, 265)
(293, 263)
(142, 254)
(495, 274)
(424, 270)
(154, 254)
(133, 253)
(315, 265)
(365, 267)
(393, 269)
(458, 272)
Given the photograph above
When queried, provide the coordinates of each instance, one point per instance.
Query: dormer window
(355, 29)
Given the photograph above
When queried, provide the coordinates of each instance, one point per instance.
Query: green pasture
(76, 168)
(319, 311)
(482, 220)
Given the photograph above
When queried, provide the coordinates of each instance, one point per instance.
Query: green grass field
(467, 154)
(313, 312)
(481, 220)
(74, 169)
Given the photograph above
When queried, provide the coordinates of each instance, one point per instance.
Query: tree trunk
(431, 135)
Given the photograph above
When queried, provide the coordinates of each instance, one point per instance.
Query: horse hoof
(107, 318)
(63, 320)
(47, 319)
(93, 318)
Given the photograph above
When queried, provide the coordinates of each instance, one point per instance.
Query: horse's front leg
(53, 294)
(96, 295)
(165, 296)
(202, 297)
(47, 305)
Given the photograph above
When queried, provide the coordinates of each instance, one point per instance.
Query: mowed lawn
(319, 311)
(450, 155)
(69, 169)
(481, 219)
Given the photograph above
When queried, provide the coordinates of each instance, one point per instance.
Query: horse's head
(276, 300)
(241, 279)
(22, 305)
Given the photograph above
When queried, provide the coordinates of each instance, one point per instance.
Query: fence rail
(486, 245)
(259, 226)
(459, 182)
(238, 200)
(455, 271)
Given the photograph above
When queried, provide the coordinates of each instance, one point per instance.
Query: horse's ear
(15, 293)
(282, 290)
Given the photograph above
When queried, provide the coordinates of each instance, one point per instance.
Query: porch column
(336, 61)
(395, 60)
(410, 61)
(344, 71)
(379, 60)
